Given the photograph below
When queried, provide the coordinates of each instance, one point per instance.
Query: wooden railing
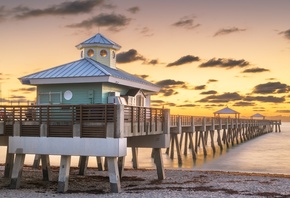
(93, 120)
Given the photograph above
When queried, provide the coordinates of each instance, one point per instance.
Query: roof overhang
(82, 45)
(100, 79)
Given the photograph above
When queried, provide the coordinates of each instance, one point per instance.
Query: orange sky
(206, 54)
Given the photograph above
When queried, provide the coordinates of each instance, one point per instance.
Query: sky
(205, 55)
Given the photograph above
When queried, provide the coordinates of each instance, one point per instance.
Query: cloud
(4, 77)
(129, 56)
(184, 60)
(159, 103)
(134, 9)
(286, 34)
(244, 104)
(224, 63)
(169, 82)
(255, 70)
(188, 105)
(114, 22)
(25, 90)
(212, 80)
(169, 86)
(153, 62)
(186, 22)
(271, 88)
(223, 98)
(210, 92)
(65, 8)
(283, 111)
(144, 76)
(225, 31)
(200, 87)
(272, 99)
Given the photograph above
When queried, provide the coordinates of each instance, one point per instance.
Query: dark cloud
(162, 103)
(184, 60)
(271, 88)
(129, 56)
(255, 70)
(188, 105)
(210, 92)
(225, 63)
(283, 111)
(244, 104)
(212, 80)
(272, 99)
(169, 86)
(142, 76)
(134, 9)
(226, 31)
(186, 22)
(153, 62)
(286, 34)
(223, 98)
(200, 87)
(25, 90)
(168, 91)
(114, 22)
(65, 8)
(169, 82)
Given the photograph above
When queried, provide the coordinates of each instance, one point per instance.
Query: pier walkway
(106, 130)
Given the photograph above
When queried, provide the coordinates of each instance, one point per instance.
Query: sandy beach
(144, 183)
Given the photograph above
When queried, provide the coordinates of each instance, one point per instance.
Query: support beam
(8, 164)
(100, 163)
(17, 171)
(159, 163)
(114, 175)
(83, 164)
(135, 157)
(46, 170)
(63, 176)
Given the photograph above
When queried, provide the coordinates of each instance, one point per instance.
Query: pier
(106, 130)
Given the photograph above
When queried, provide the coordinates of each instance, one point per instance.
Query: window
(103, 53)
(50, 98)
(90, 52)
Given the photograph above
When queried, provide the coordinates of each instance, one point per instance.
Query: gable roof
(87, 70)
(226, 110)
(258, 115)
(134, 92)
(98, 40)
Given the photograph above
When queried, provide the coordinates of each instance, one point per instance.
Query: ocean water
(269, 153)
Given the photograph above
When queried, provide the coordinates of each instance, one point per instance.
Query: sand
(144, 183)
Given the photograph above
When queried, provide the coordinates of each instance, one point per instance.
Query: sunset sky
(205, 54)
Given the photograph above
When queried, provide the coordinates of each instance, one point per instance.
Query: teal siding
(81, 93)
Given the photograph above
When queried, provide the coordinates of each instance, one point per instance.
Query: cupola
(101, 49)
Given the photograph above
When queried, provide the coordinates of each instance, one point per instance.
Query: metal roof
(226, 110)
(83, 69)
(98, 40)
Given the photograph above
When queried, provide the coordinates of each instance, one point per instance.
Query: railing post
(119, 133)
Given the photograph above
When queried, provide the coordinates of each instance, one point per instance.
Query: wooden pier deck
(107, 130)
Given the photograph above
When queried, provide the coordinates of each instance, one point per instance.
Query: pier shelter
(86, 107)
(226, 111)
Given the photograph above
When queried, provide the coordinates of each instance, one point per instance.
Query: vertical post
(17, 171)
(114, 175)
(100, 163)
(63, 176)
(46, 171)
(135, 157)
(8, 163)
(83, 164)
(121, 163)
(159, 163)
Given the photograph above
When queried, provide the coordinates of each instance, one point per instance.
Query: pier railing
(95, 121)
